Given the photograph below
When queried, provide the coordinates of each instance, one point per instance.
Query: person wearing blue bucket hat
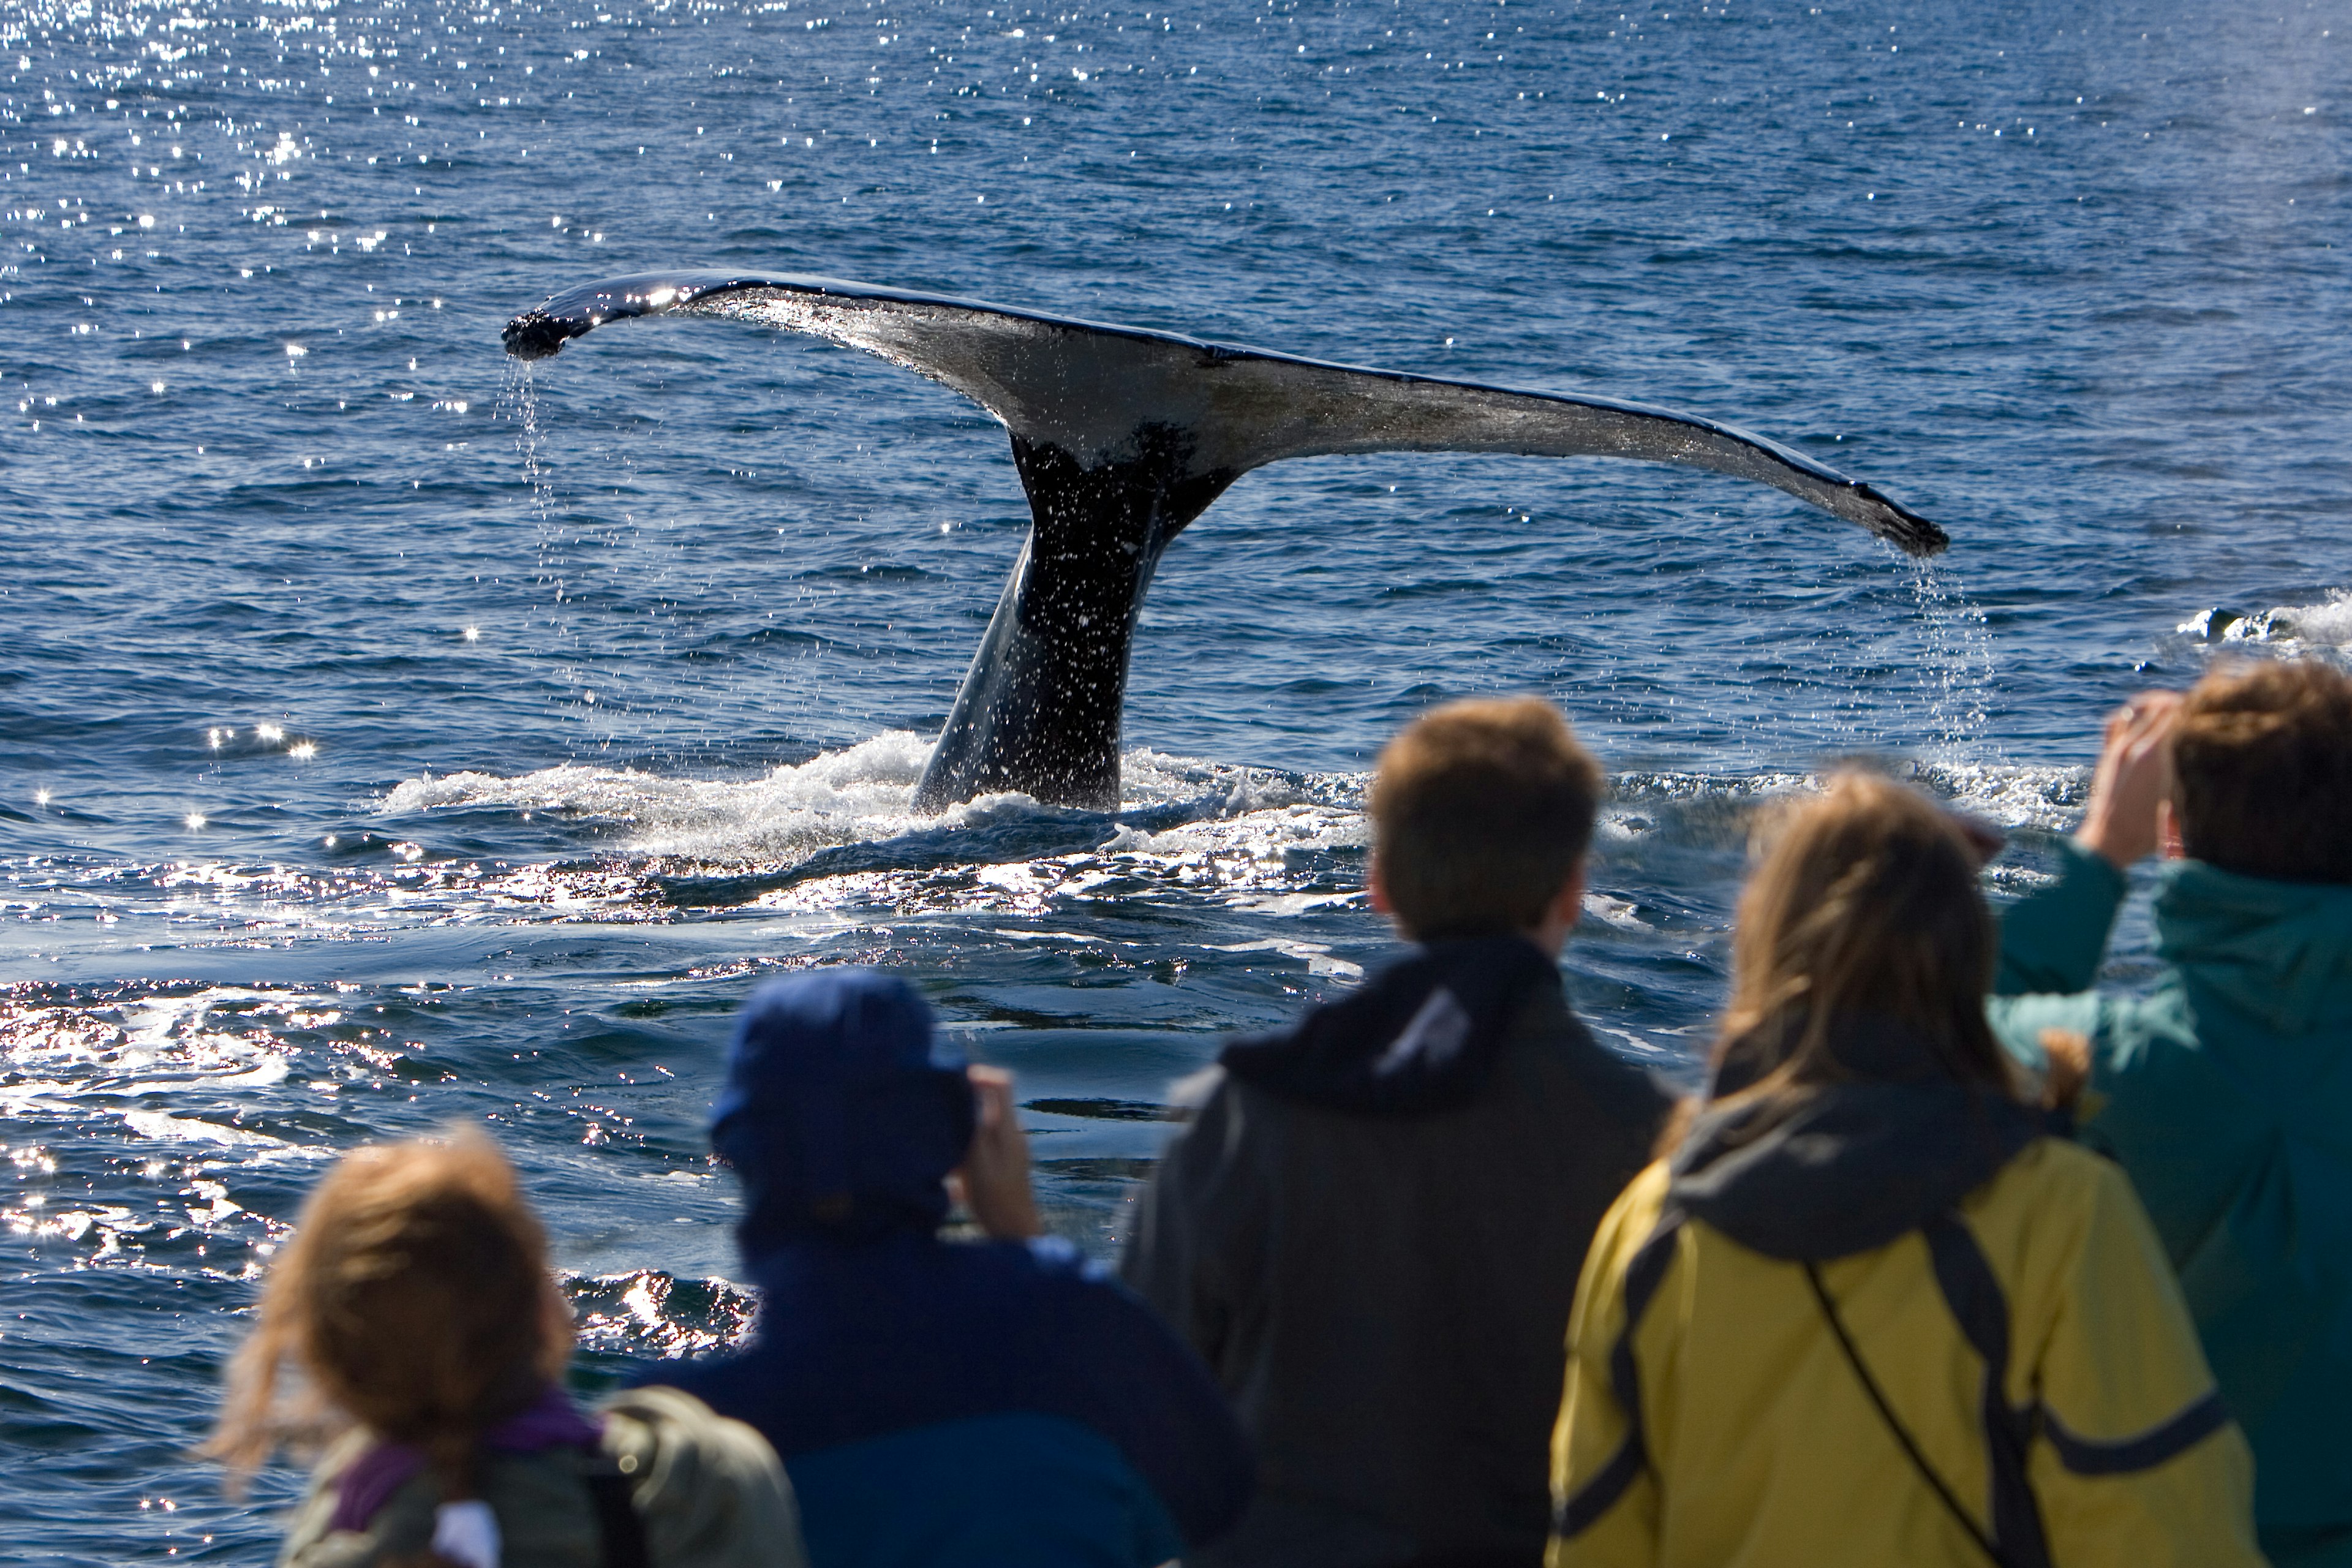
(939, 1402)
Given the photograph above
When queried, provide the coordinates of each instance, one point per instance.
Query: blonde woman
(1869, 1310)
(416, 1309)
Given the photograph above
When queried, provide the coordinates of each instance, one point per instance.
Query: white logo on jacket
(1435, 1036)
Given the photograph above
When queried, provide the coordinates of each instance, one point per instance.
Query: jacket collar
(2279, 952)
(369, 1481)
(1419, 1037)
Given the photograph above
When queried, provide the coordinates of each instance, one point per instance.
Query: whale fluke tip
(1900, 526)
(1921, 538)
(535, 334)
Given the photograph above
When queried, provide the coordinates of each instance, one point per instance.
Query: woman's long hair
(414, 1299)
(1862, 911)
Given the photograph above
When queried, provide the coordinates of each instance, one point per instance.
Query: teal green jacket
(2226, 1094)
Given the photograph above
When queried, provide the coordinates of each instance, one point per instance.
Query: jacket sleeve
(2138, 1465)
(1197, 1253)
(2053, 938)
(1604, 1489)
(1151, 1398)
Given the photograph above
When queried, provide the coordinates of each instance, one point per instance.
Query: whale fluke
(1121, 438)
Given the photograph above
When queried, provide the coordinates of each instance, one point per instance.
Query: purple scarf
(369, 1481)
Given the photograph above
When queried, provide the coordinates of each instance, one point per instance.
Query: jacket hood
(843, 1113)
(2278, 952)
(1421, 1036)
(1853, 1164)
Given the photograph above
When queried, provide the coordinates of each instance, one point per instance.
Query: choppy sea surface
(389, 737)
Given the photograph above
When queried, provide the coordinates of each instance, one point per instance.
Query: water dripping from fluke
(1959, 663)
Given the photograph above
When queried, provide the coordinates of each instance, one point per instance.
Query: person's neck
(1544, 939)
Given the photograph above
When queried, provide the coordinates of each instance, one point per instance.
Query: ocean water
(390, 736)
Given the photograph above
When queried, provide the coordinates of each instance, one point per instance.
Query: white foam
(865, 793)
(2328, 622)
(2294, 629)
(163, 1128)
(859, 793)
(2008, 794)
(1255, 839)
(1263, 835)
(1242, 860)
(1316, 955)
(164, 1044)
(159, 1067)
(1618, 912)
(2045, 796)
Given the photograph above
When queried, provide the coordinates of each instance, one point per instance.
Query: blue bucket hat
(843, 1110)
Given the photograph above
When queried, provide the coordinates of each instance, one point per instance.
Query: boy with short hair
(1372, 1228)
(2226, 1092)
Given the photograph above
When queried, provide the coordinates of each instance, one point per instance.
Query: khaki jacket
(709, 1491)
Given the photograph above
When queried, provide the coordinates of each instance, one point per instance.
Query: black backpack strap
(617, 1522)
(1973, 1293)
(1927, 1472)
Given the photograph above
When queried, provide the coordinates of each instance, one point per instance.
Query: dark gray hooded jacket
(1371, 1231)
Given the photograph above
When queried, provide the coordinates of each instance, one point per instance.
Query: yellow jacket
(1725, 1428)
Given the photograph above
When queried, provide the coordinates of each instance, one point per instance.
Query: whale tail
(1040, 708)
(1123, 436)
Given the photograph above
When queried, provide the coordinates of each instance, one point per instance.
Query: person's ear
(2167, 832)
(1572, 897)
(1561, 915)
(1378, 884)
(1568, 904)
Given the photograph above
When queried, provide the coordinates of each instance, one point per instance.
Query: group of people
(1954, 1260)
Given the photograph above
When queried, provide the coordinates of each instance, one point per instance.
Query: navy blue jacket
(976, 1402)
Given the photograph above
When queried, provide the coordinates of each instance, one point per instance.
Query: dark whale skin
(1122, 436)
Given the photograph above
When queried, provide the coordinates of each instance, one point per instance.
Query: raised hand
(995, 1175)
(2134, 780)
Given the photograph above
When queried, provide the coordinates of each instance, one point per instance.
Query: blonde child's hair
(415, 1299)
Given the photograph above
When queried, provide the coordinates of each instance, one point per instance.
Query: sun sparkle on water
(497, 902)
